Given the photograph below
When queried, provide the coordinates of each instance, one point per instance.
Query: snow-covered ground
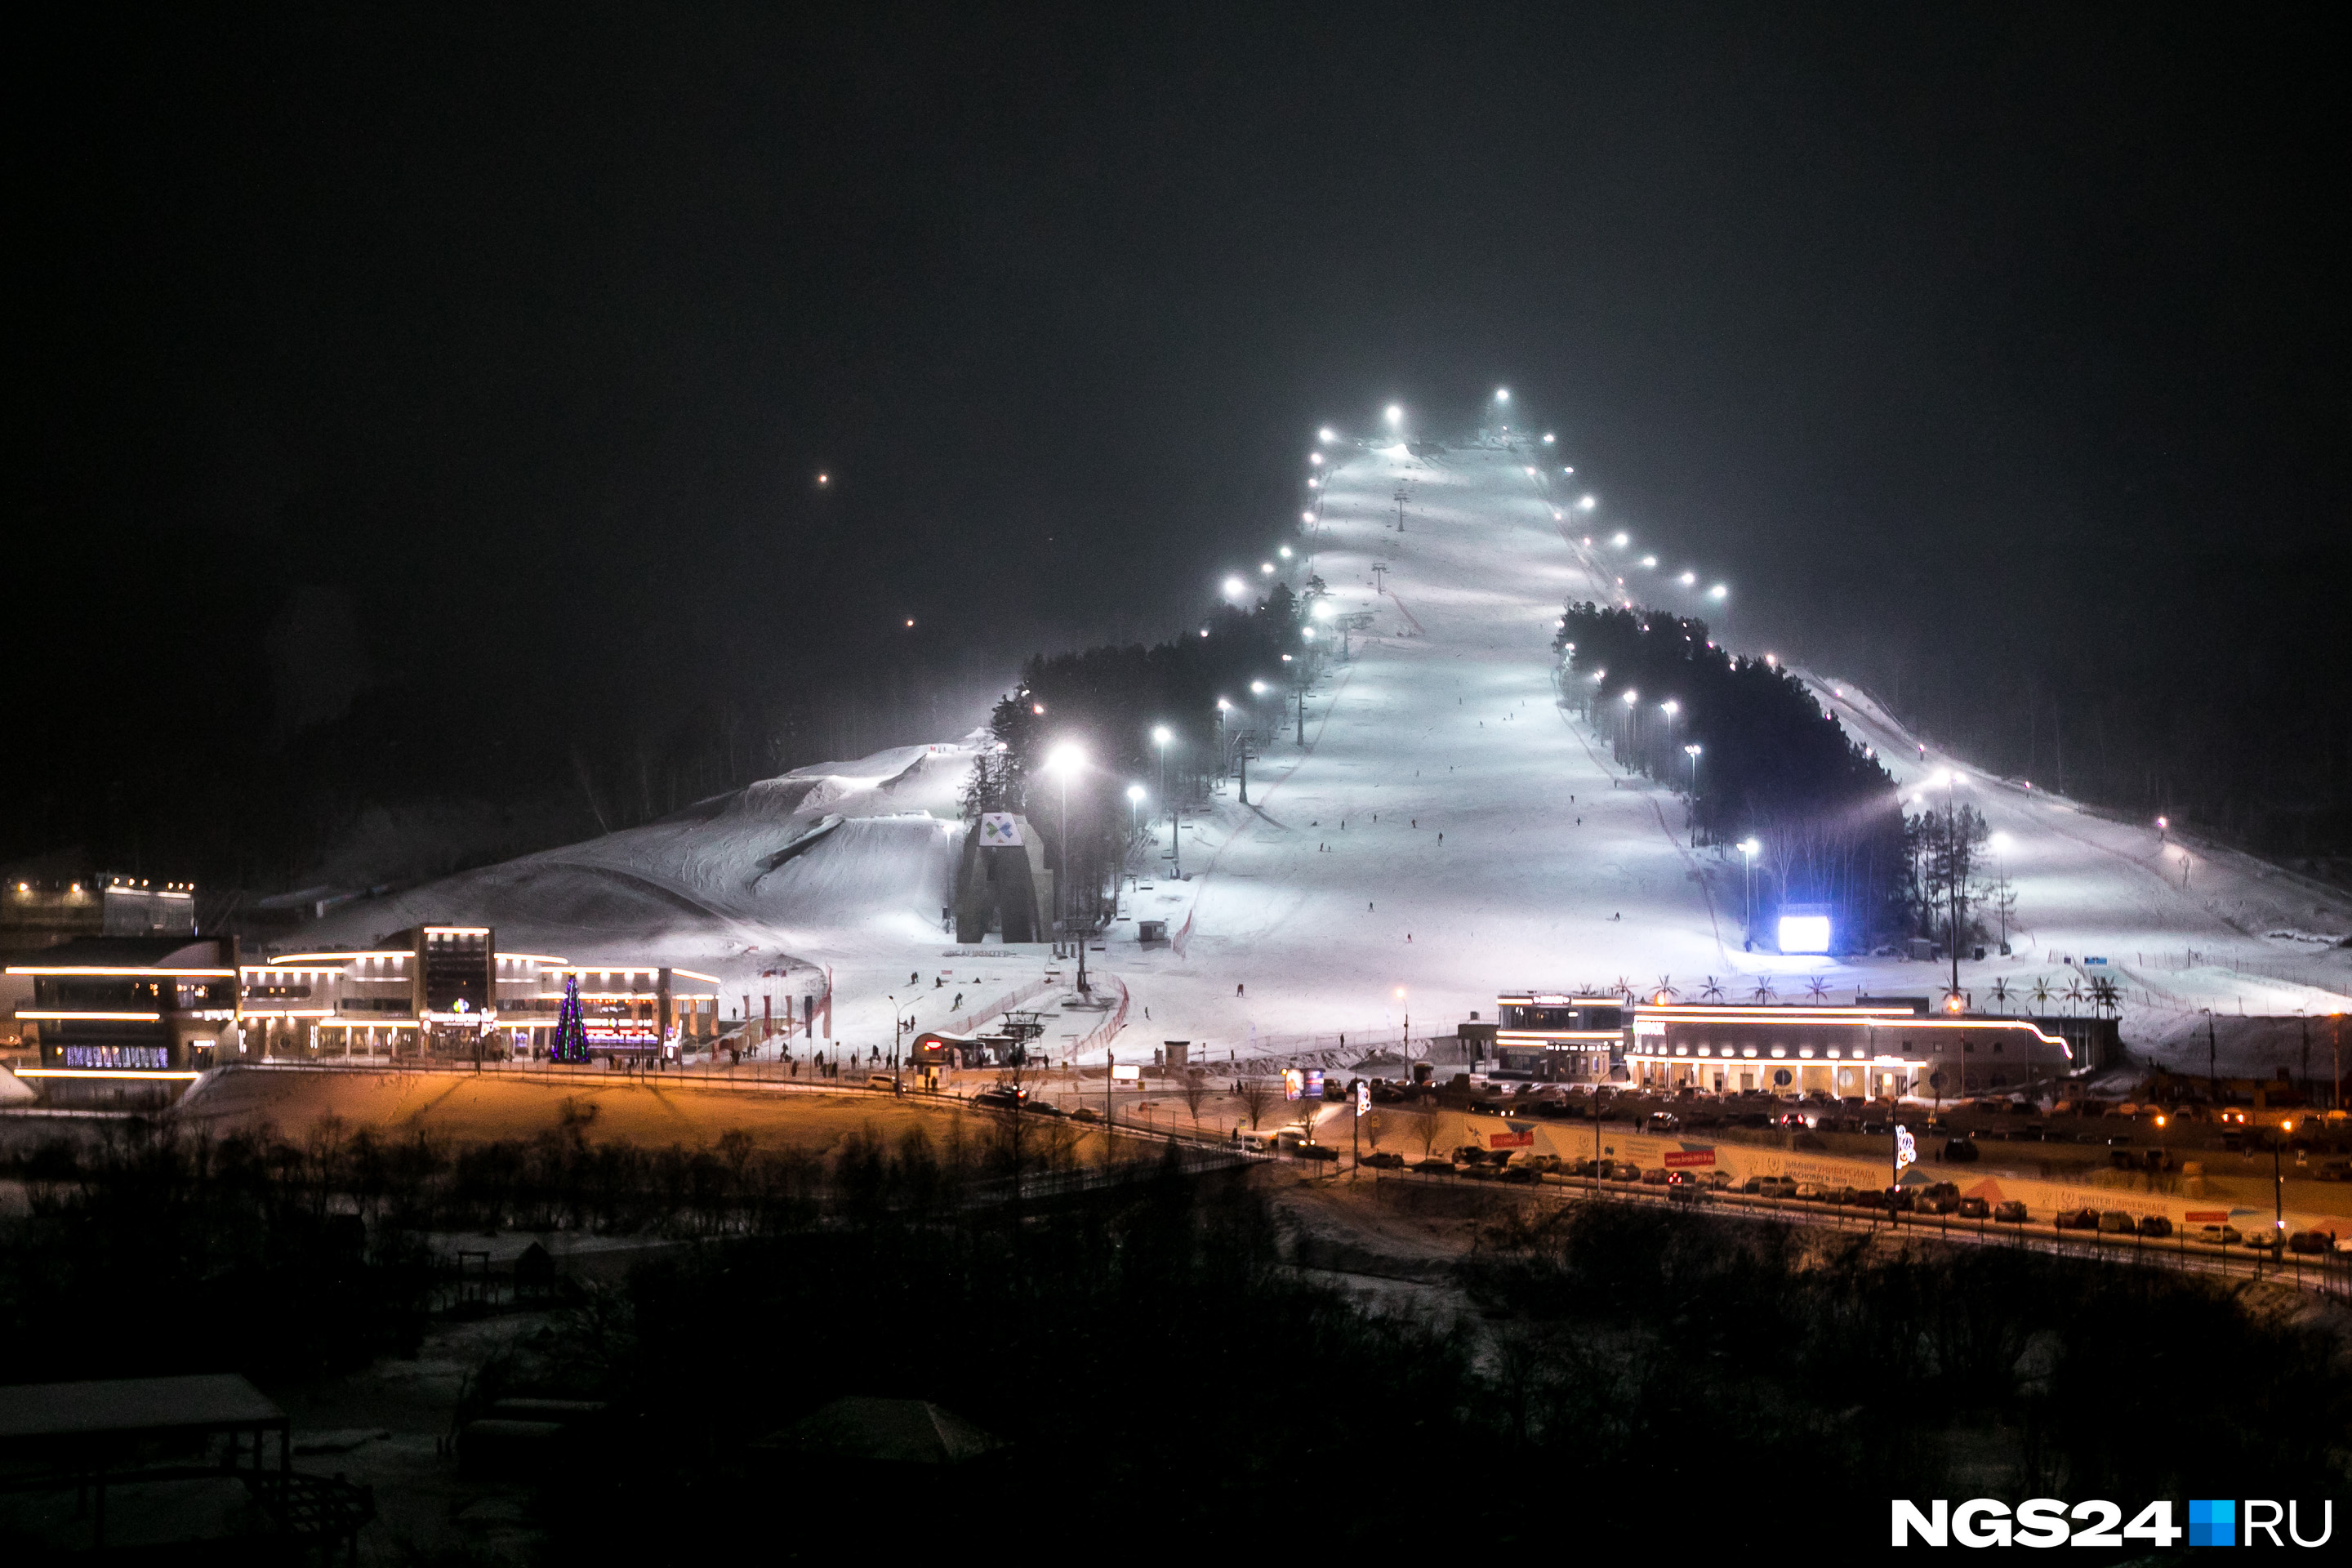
(1446, 831)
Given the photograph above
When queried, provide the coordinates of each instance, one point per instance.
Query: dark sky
(420, 348)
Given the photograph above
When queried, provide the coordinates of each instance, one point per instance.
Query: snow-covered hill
(1446, 830)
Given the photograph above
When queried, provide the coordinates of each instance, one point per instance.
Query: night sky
(468, 372)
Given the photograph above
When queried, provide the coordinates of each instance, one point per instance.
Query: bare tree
(1426, 1129)
(1196, 1091)
(1257, 1095)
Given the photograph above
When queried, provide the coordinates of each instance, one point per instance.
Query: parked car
(1000, 1099)
(1962, 1152)
(2312, 1242)
(1839, 1194)
(1433, 1167)
(1623, 1171)
(1753, 1186)
(1806, 1192)
(1380, 1160)
(1973, 1208)
(2155, 1224)
(1660, 1121)
(1523, 1175)
(1306, 1150)
(2266, 1240)
(1935, 1201)
(1086, 1113)
(2077, 1219)
(2010, 1212)
(1717, 1180)
(1656, 1177)
(2115, 1222)
(2220, 1234)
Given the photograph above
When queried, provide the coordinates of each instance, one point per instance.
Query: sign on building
(1689, 1159)
(1000, 830)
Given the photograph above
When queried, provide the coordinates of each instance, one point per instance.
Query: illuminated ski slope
(1330, 904)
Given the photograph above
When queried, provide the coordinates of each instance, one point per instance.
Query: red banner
(2206, 1216)
(1684, 1159)
(1511, 1139)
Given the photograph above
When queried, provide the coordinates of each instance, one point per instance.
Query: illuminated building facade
(40, 908)
(448, 991)
(1873, 1050)
(1558, 1037)
(129, 1010)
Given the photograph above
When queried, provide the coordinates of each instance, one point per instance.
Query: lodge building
(1876, 1048)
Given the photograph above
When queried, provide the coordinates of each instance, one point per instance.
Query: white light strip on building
(126, 973)
(105, 1072)
(47, 1014)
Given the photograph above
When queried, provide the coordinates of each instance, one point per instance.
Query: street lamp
(1160, 736)
(1235, 588)
(1135, 811)
(1692, 751)
(1062, 761)
(1747, 850)
(1395, 415)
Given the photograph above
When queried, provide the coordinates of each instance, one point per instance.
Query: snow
(1330, 899)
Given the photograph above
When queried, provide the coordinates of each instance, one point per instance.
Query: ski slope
(1443, 830)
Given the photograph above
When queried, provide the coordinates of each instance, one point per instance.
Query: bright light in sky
(1649, 561)
(1303, 517)
(1284, 552)
(1064, 759)
(1314, 484)
(1502, 394)
(1718, 592)
(1315, 456)
(1325, 435)
(1587, 503)
(1999, 840)
(1620, 542)
(1235, 589)
(1265, 566)
(1135, 793)
(1322, 609)
(1689, 578)
(1257, 688)
(1395, 413)
(1547, 437)
(1162, 734)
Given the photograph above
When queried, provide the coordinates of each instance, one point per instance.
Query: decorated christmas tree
(570, 1030)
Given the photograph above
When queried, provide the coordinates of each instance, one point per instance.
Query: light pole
(1160, 736)
(1065, 760)
(1135, 811)
(1670, 707)
(1747, 848)
(1632, 714)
